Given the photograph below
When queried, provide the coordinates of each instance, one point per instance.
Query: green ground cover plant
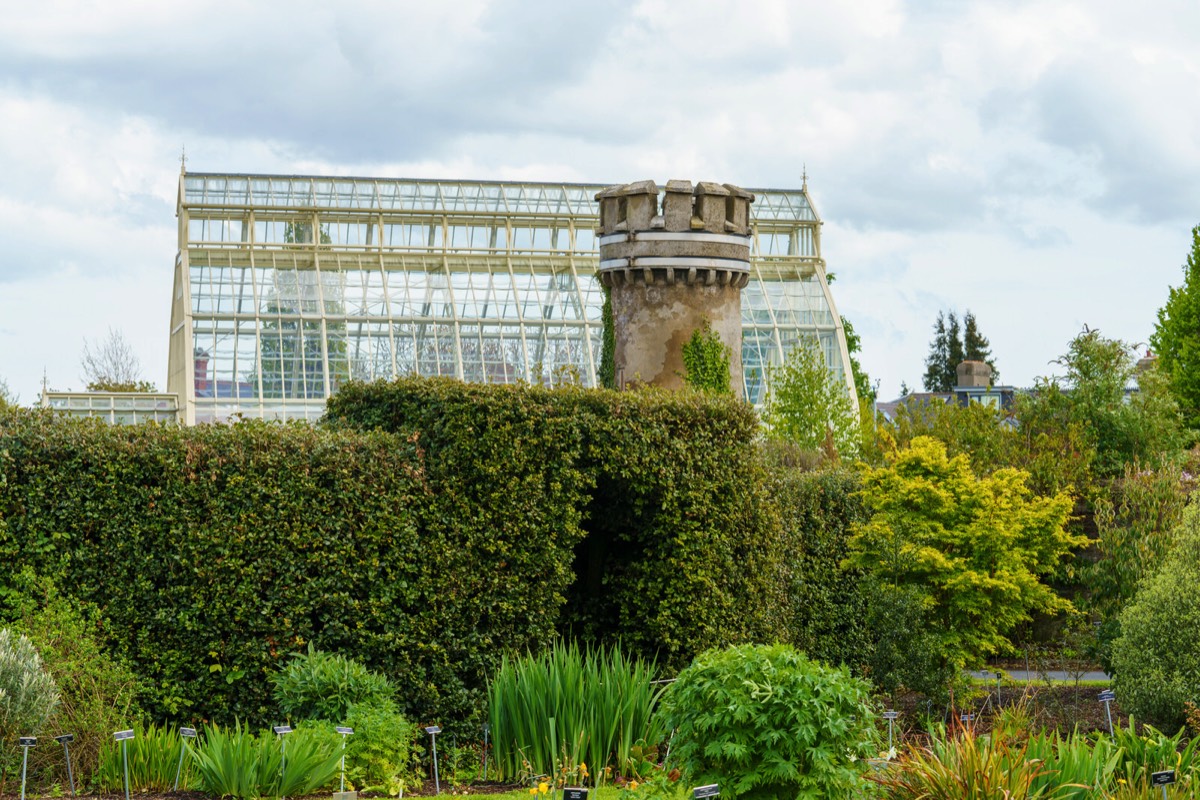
(572, 712)
(766, 722)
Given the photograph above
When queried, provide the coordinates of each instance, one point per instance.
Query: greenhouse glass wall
(288, 286)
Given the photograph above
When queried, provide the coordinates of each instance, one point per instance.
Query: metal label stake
(344, 732)
(64, 740)
(486, 730)
(704, 792)
(891, 717)
(1107, 697)
(123, 737)
(433, 731)
(281, 731)
(25, 742)
(184, 735)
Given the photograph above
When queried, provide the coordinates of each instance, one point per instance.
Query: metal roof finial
(183, 160)
(804, 177)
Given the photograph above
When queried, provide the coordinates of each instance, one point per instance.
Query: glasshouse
(287, 286)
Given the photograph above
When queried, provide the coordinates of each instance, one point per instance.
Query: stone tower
(672, 269)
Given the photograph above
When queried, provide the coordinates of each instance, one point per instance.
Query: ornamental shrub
(320, 685)
(764, 721)
(379, 752)
(27, 696)
(1156, 658)
(97, 690)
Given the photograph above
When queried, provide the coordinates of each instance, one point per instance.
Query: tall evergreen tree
(976, 347)
(938, 359)
(950, 347)
(1176, 338)
(954, 347)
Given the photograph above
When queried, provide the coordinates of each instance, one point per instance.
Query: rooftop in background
(444, 197)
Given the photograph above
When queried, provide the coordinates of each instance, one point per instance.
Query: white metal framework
(286, 286)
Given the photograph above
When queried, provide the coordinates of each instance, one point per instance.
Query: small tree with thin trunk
(110, 365)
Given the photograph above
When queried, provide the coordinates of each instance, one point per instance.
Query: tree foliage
(1157, 656)
(1058, 457)
(862, 381)
(808, 405)
(1176, 337)
(706, 361)
(111, 365)
(1142, 427)
(967, 553)
(1137, 522)
(951, 345)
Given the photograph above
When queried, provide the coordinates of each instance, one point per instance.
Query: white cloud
(1035, 160)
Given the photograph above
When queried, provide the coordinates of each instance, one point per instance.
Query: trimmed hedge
(683, 549)
(828, 606)
(214, 552)
(426, 528)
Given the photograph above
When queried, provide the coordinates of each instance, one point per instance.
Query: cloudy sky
(1035, 162)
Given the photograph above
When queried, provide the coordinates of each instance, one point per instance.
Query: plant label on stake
(184, 735)
(433, 731)
(123, 737)
(25, 742)
(65, 740)
(1162, 779)
(701, 792)
(281, 731)
(967, 718)
(1107, 697)
(342, 794)
(574, 793)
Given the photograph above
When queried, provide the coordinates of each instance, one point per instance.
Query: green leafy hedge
(425, 529)
(214, 552)
(828, 606)
(682, 550)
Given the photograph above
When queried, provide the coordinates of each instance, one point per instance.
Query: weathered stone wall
(672, 269)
